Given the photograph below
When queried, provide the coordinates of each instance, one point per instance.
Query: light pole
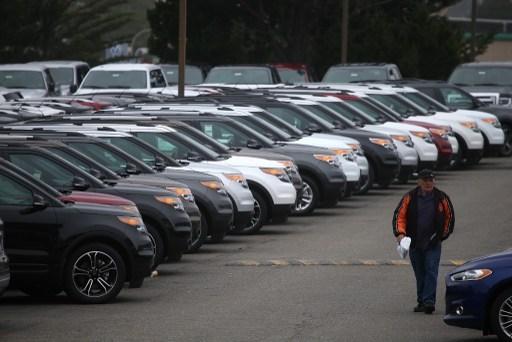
(182, 48)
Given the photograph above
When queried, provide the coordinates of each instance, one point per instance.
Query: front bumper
(280, 212)
(241, 219)
(141, 267)
(470, 303)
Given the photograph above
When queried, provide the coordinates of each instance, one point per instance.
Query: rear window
(239, 76)
(501, 76)
(22, 79)
(62, 76)
(102, 79)
(348, 75)
(193, 75)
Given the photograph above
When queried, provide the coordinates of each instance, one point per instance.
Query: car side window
(454, 98)
(13, 193)
(157, 79)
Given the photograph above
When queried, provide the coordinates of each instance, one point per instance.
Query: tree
(53, 29)
(405, 32)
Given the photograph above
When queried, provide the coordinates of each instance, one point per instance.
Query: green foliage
(56, 29)
(404, 32)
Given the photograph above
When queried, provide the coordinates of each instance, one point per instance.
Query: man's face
(426, 184)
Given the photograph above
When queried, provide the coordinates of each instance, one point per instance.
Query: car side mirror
(159, 164)
(313, 129)
(251, 143)
(38, 203)
(73, 88)
(97, 173)
(131, 169)
(194, 157)
(80, 184)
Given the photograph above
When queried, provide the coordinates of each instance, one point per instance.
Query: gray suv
(362, 72)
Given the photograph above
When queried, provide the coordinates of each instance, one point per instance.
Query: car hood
(474, 114)
(492, 261)
(94, 197)
(241, 161)
(265, 153)
(30, 93)
(151, 180)
(180, 174)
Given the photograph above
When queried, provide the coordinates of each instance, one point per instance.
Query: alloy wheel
(256, 216)
(95, 274)
(305, 200)
(505, 316)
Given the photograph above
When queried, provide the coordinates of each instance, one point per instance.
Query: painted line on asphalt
(313, 262)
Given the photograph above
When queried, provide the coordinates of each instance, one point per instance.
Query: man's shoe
(429, 308)
(419, 308)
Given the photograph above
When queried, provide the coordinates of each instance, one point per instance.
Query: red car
(294, 72)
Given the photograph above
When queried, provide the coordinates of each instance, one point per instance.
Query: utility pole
(473, 29)
(182, 48)
(344, 31)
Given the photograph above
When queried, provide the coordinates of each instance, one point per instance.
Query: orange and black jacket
(405, 218)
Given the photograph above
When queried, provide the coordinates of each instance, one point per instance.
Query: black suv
(162, 211)
(87, 250)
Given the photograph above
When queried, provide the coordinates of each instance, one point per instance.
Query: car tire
(94, 274)
(260, 215)
(215, 237)
(504, 300)
(158, 245)
(201, 237)
(175, 253)
(506, 150)
(309, 199)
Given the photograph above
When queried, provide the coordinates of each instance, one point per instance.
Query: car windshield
(371, 113)
(454, 97)
(68, 157)
(298, 119)
(239, 76)
(102, 79)
(293, 131)
(233, 134)
(292, 75)
(350, 74)
(193, 74)
(338, 107)
(262, 126)
(425, 102)
(482, 75)
(101, 155)
(397, 104)
(132, 149)
(176, 145)
(62, 76)
(22, 79)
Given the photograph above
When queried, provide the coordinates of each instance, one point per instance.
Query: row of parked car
(102, 186)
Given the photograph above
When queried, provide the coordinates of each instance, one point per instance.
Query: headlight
(237, 177)
(357, 149)
(471, 275)
(492, 121)
(403, 138)
(470, 124)
(131, 208)
(133, 221)
(172, 201)
(345, 153)
(279, 173)
(386, 143)
(215, 186)
(423, 135)
(328, 158)
(183, 193)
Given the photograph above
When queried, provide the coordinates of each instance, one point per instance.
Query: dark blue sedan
(479, 295)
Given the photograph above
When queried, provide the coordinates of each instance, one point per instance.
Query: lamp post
(182, 47)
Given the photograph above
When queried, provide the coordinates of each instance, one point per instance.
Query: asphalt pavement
(333, 276)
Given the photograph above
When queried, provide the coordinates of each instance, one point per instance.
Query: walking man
(425, 214)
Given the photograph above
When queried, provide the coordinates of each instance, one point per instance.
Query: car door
(31, 229)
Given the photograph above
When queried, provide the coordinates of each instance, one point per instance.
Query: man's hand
(399, 238)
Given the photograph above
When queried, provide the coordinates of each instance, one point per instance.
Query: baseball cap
(426, 173)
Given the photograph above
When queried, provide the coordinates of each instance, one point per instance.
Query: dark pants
(426, 266)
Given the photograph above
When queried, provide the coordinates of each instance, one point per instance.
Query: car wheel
(200, 236)
(501, 318)
(175, 252)
(506, 150)
(260, 214)
(309, 197)
(94, 274)
(216, 236)
(158, 244)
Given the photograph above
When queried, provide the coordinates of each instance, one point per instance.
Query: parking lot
(333, 276)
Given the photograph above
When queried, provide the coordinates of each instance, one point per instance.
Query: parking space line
(312, 262)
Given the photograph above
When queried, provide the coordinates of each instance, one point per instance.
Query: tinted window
(101, 155)
(157, 79)
(133, 149)
(44, 169)
(22, 79)
(292, 76)
(240, 76)
(100, 79)
(453, 97)
(224, 134)
(347, 75)
(393, 103)
(193, 75)
(164, 144)
(62, 76)
(68, 157)
(13, 193)
(81, 72)
(483, 75)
